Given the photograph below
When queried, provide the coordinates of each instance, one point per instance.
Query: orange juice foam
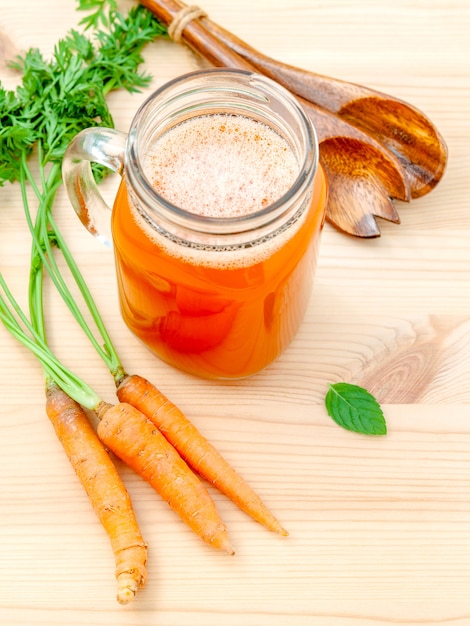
(221, 166)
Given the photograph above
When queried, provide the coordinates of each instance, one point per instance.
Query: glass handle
(105, 146)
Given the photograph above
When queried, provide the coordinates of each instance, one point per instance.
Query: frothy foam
(221, 166)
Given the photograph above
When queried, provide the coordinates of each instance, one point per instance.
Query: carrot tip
(275, 527)
(280, 530)
(223, 543)
(127, 589)
(125, 596)
(228, 549)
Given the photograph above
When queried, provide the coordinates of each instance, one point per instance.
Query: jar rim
(263, 88)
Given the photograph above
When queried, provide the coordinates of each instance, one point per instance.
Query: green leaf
(100, 15)
(354, 408)
(60, 96)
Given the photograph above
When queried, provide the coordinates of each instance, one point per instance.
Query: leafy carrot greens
(56, 99)
(59, 97)
(99, 12)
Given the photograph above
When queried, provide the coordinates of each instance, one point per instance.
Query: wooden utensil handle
(197, 37)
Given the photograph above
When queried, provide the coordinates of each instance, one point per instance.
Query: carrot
(198, 452)
(104, 487)
(136, 441)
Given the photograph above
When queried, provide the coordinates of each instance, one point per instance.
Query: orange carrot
(198, 452)
(104, 488)
(136, 441)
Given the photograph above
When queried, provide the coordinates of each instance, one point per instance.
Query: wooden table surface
(379, 527)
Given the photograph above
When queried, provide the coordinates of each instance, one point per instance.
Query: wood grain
(379, 527)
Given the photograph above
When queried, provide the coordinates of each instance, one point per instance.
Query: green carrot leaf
(59, 96)
(354, 408)
(100, 9)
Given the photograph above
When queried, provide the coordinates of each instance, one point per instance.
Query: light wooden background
(380, 527)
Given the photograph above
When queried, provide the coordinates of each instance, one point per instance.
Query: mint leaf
(354, 408)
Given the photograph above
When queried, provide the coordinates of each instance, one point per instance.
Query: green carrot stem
(43, 231)
(17, 323)
(113, 361)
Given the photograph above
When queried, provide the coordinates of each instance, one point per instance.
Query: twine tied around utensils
(182, 19)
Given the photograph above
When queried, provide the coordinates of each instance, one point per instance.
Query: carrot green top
(56, 99)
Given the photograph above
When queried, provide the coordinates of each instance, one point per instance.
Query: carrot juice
(222, 309)
(216, 224)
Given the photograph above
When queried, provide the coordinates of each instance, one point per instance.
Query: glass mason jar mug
(216, 223)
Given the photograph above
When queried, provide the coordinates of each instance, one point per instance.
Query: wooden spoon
(363, 173)
(402, 128)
